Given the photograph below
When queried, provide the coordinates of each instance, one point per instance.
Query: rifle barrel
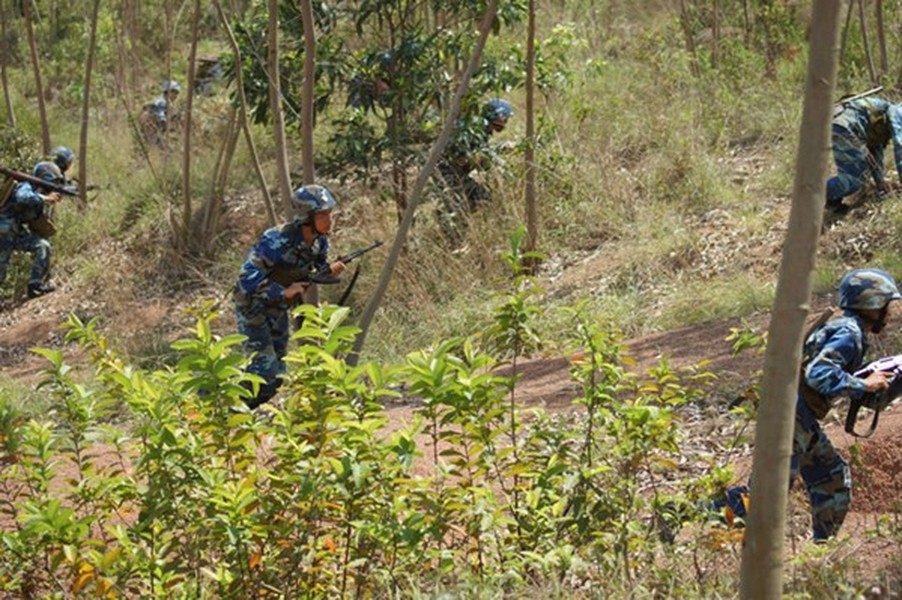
(19, 176)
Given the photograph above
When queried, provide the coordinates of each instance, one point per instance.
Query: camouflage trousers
(825, 473)
(12, 240)
(267, 334)
(852, 158)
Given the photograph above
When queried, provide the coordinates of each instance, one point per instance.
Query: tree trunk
(866, 42)
(845, 30)
(186, 133)
(10, 113)
(416, 194)
(715, 33)
(275, 100)
(762, 558)
(690, 40)
(85, 108)
(309, 90)
(532, 228)
(38, 82)
(245, 125)
(747, 24)
(881, 38)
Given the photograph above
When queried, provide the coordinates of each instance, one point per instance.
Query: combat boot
(40, 289)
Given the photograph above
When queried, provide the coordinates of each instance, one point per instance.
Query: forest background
(664, 142)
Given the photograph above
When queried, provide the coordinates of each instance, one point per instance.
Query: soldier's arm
(894, 113)
(828, 372)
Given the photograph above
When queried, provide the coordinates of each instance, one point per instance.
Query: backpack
(817, 402)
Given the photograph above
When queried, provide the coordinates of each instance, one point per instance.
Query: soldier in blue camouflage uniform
(26, 204)
(159, 116)
(466, 153)
(63, 157)
(861, 131)
(261, 304)
(830, 355)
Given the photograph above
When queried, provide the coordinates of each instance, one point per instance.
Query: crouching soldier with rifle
(275, 275)
(24, 221)
(832, 359)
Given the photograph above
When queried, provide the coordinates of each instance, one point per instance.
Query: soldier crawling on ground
(862, 129)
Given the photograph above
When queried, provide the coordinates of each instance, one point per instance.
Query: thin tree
(186, 157)
(307, 93)
(532, 228)
(845, 30)
(866, 42)
(881, 37)
(85, 107)
(747, 23)
(686, 25)
(275, 100)
(38, 82)
(762, 557)
(715, 33)
(242, 106)
(311, 296)
(416, 194)
(10, 113)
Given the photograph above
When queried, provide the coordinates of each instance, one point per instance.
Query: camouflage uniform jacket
(875, 122)
(157, 108)
(25, 205)
(468, 142)
(832, 353)
(279, 247)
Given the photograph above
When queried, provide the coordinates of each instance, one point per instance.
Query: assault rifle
(286, 276)
(19, 176)
(876, 401)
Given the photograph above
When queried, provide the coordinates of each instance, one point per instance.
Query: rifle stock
(285, 276)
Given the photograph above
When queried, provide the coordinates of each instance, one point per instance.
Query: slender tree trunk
(866, 42)
(762, 557)
(307, 101)
(747, 23)
(245, 124)
(881, 38)
(532, 227)
(415, 195)
(275, 100)
(715, 33)
(10, 113)
(86, 106)
(845, 30)
(186, 133)
(38, 82)
(690, 40)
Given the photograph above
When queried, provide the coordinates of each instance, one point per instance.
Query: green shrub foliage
(162, 484)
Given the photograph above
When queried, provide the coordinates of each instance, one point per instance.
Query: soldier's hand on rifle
(52, 198)
(295, 291)
(877, 381)
(336, 268)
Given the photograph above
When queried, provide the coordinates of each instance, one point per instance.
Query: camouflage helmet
(48, 171)
(63, 156)
(310, 199)
(867, 289)
(497, 109)
(171, 86)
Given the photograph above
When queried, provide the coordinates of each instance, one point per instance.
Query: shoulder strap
(821, 320)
